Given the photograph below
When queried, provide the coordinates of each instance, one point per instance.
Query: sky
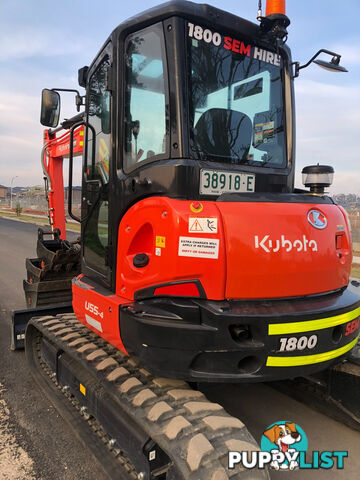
(43, 44)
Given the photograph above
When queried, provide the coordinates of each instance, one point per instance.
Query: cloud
(328, 119)
(31, 41)
(350, 54)
(344, 182)
(21, 137)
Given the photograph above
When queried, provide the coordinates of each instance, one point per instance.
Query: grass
(38, 220)
(24, 218)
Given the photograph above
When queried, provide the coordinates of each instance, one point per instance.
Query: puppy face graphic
(283, 435)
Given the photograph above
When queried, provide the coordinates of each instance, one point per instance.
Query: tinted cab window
(146, 98)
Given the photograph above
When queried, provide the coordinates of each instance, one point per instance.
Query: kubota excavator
(198, 260)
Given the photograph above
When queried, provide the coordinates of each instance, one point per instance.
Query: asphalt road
(46, 449)
(51, 451)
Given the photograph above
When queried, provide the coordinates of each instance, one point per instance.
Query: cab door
(97, 168)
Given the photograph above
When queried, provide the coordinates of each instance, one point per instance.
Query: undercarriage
(147, 427)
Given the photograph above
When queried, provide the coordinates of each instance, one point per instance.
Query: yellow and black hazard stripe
(310, 359)
(312, 326)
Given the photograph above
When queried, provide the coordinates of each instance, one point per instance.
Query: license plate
(215, 182)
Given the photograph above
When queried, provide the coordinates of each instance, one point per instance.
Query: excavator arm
(56, 147)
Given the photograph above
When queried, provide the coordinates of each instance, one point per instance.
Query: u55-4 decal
(94, 309)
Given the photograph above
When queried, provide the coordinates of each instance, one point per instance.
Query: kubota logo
(317, 219)
(270, 245)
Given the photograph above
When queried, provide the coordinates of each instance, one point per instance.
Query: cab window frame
(100, 271)
(251, 165)
(128, 166)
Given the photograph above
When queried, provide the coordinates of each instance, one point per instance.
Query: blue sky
(42, 44)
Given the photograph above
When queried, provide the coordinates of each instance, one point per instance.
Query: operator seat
(223, 133)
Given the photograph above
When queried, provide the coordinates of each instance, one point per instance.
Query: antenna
(259, 13)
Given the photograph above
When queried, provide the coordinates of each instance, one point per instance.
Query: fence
(355, 225)
(39, 205)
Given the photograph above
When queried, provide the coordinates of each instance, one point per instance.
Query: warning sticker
(203, 225)
(198, 247)
(160, 241)
(264, 132)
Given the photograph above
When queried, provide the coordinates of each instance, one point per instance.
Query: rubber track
(86, 428)
(195, 433)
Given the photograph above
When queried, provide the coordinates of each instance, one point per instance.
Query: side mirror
(332, 66)
(50, 108)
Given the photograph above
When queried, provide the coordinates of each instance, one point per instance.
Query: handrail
(71, 139)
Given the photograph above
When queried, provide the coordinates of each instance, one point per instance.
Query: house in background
(3, 191)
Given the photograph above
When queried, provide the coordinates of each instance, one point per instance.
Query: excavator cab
(182, 109)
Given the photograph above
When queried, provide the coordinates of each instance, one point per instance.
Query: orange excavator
(198, 259)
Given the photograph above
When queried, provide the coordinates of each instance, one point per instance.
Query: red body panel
(157, 223)
(265, 250)
(98, 312)
(250, 257)
(274, 251)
